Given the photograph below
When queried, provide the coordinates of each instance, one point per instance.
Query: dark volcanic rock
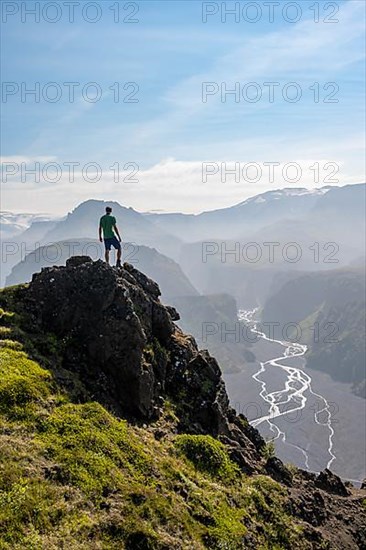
(331, 483)
(276, 468)
(123, 345)
(310, 506)
(173, 313)
(75, 261)
(106, 318)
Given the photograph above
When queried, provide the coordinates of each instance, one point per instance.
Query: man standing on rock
(108, 225)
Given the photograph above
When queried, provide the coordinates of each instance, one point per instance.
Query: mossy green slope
(74, 476)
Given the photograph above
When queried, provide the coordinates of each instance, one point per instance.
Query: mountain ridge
(329, 310)
(120, 433)
(157, 266)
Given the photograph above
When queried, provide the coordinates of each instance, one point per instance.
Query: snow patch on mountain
(286, 192)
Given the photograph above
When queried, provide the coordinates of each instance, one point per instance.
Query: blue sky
(169, 132)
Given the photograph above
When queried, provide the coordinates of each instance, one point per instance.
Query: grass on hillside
(74, 476)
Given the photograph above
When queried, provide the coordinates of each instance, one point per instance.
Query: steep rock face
(93, 308)
(213, 321)
(124, 346)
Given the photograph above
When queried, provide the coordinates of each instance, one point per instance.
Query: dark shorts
(113, 241)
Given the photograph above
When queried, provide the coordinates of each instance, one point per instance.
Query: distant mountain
(246, 282)
(164, 270)
(14, 248)
(308, 217)
(328, 214)
(12, 224)
(329, 234)
(83, 222)
(253, 213)
(36, 232)
(329, 309)
(349, 200)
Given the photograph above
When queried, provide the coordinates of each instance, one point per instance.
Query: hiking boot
(118, 264)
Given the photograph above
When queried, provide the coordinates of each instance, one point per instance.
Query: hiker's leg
(107, 256)
(117, 246)
(118, 262)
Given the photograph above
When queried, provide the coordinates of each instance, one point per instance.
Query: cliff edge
(118, 432)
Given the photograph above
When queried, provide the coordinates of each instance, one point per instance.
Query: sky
(132, 101)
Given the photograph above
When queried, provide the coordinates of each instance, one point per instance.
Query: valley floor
(348, 416)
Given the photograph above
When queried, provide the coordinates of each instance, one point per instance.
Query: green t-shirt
(107, 222)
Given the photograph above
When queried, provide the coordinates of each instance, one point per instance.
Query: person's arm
(117, 232)
(100, 231)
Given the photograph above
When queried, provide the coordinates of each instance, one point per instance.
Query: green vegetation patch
(95, 450)
(28, 502)
(24, 385)
(5, 332)
(7, 317)
(268, 451)
(208, 455)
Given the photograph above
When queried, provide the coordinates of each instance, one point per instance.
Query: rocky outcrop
(105, 319)
(124, 347)
(276, 469)
(117, 342)
(331, 483)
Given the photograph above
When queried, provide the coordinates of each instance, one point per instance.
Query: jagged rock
(251, 433)
(173, 313)
(310, 507)
(363, 485)
(331, 483)
(149, 286)
(276, 468)
(306, 476)
(75, 261)
(125, 348)
(237, 454)
(107, 319)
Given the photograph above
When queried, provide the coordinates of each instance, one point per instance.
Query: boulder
(276, 469)
(331, 483)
